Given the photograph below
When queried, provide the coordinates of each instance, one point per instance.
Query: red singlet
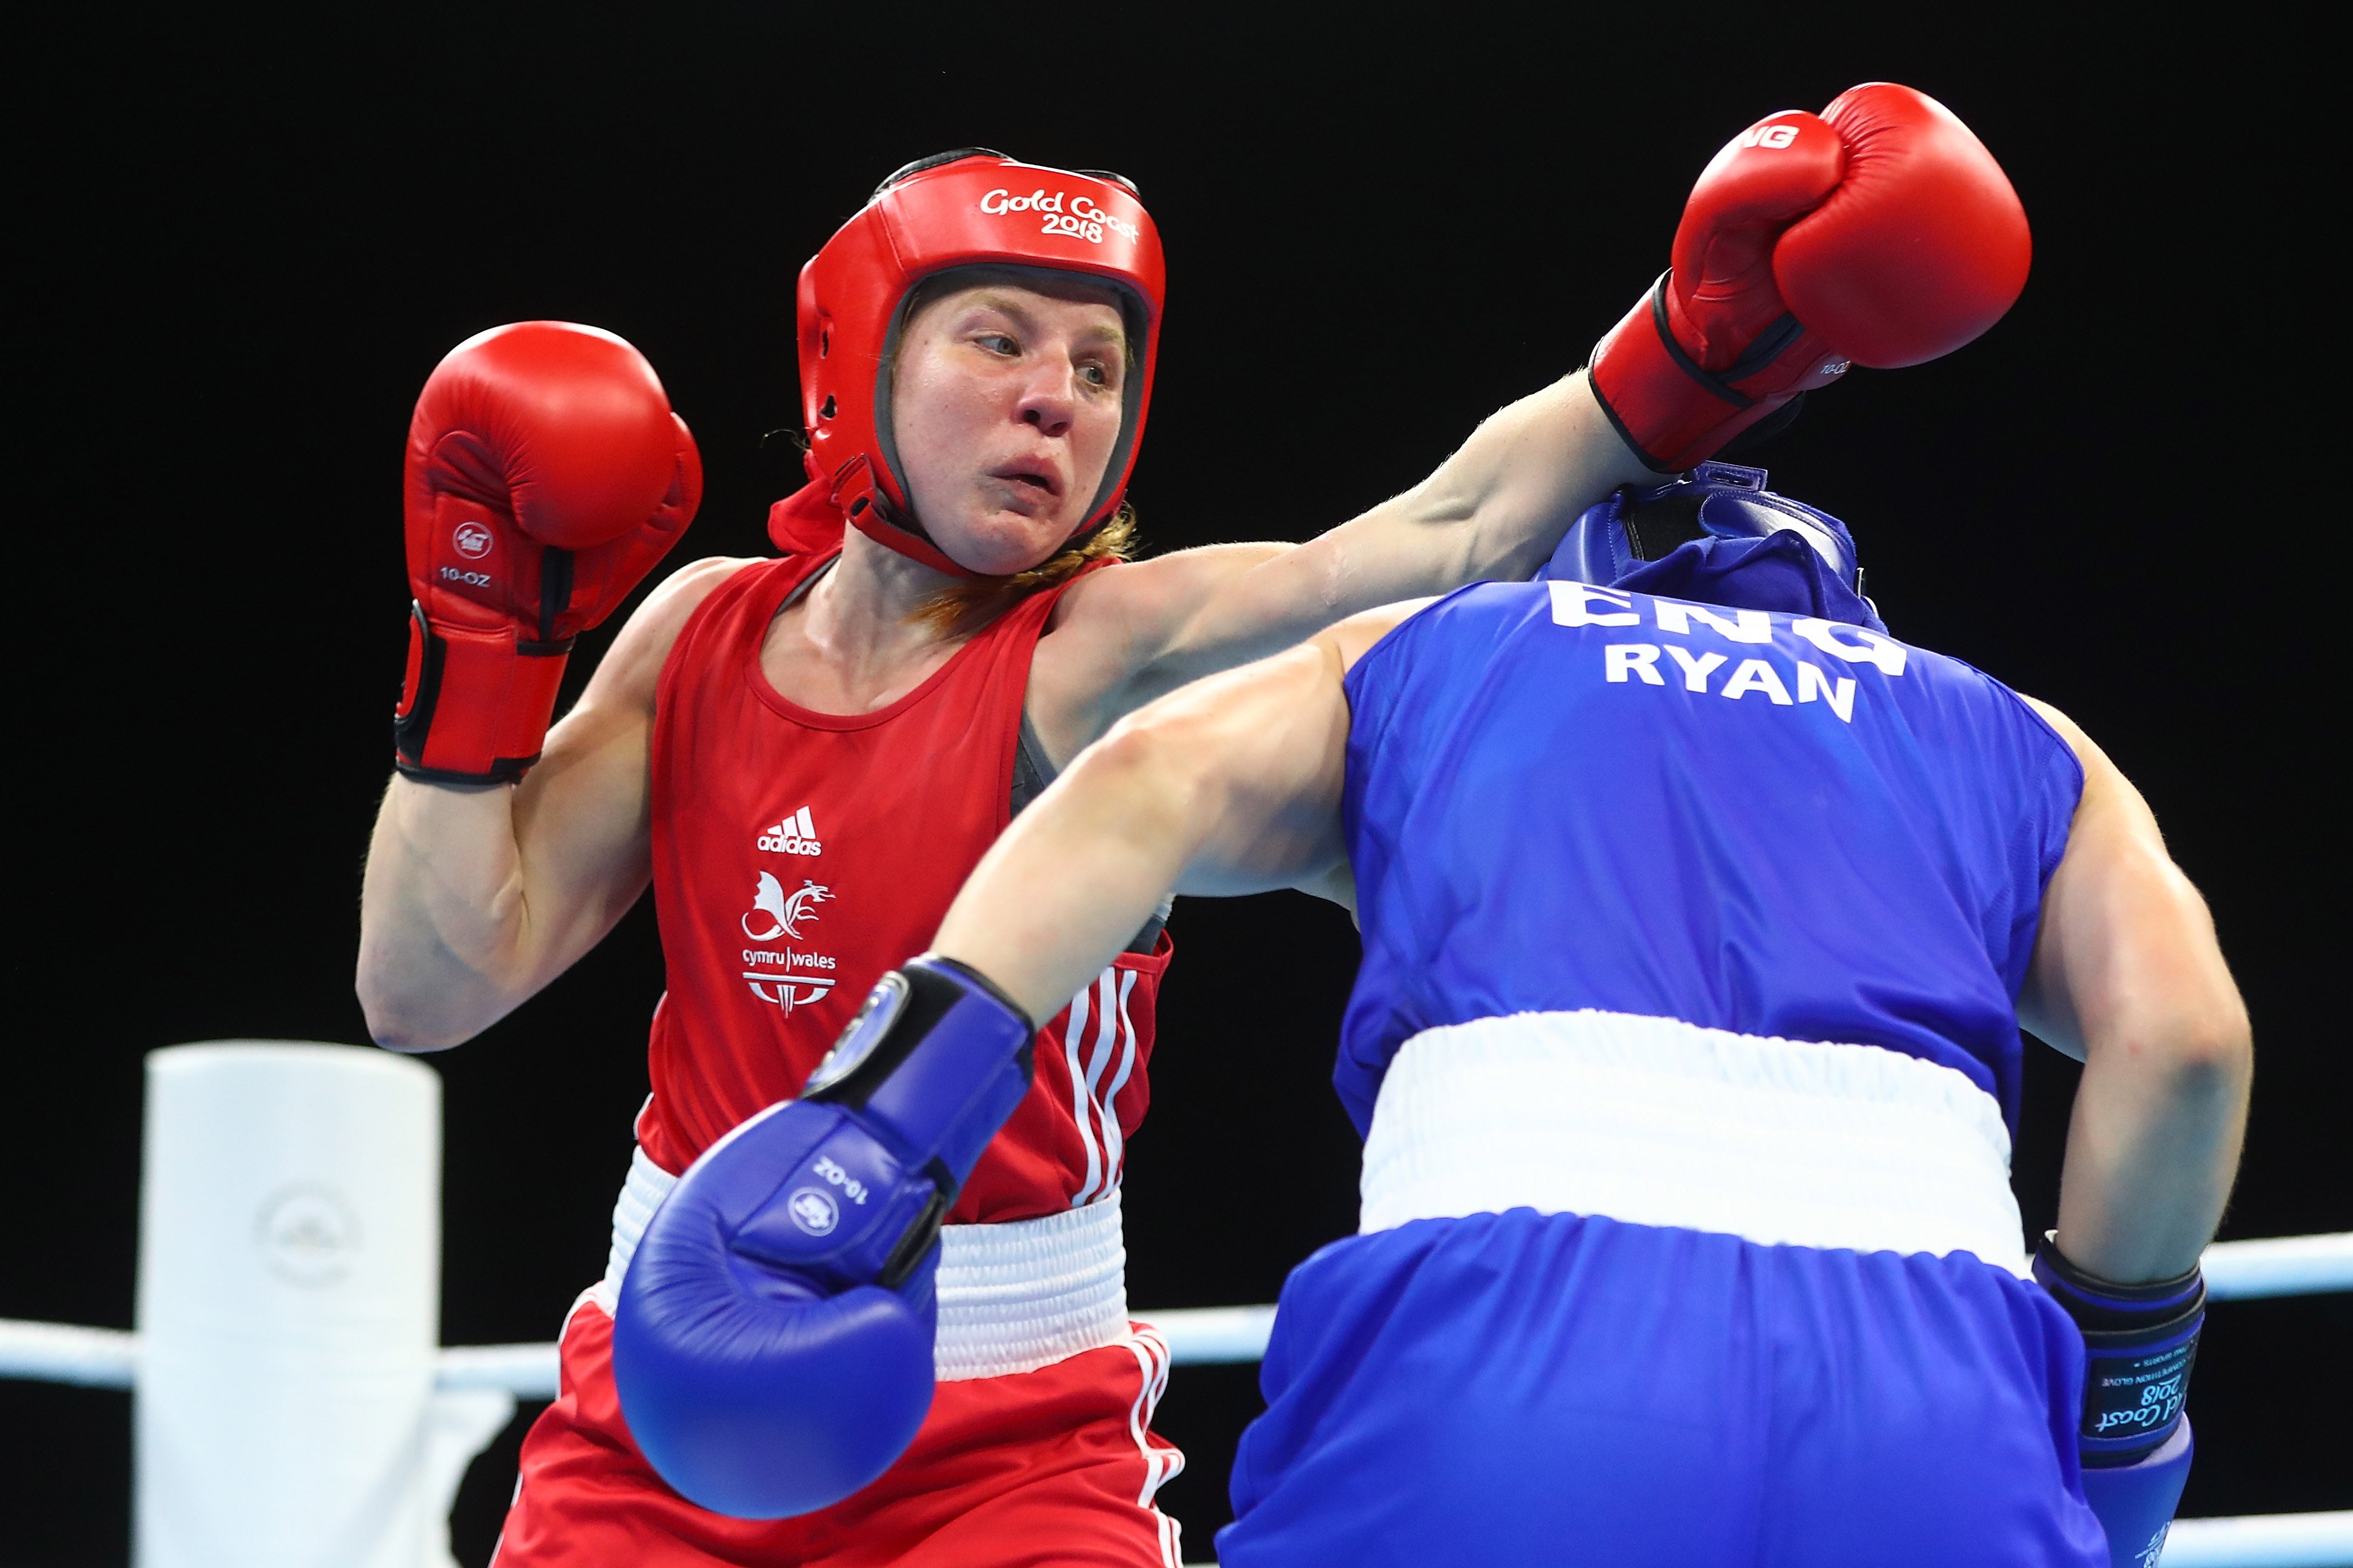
(799, 855)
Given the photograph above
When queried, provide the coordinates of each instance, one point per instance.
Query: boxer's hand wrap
(2140, 1344)
(773, 1342)
(1879, 233)
(547, 475)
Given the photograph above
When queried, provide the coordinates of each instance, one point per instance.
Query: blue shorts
(1519, 1388)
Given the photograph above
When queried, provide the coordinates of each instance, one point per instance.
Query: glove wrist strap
(475, 703)
(1676, 413)
(2140, 1343)
(938, 1057)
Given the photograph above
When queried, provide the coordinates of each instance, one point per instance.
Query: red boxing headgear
(966, 208)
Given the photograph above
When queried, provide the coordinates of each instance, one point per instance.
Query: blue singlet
(1563, 798)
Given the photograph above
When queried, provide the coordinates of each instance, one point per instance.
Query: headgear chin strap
(1717, 535)
(971, 207)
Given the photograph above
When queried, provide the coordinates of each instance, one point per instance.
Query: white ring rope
(2235, 1271)
(2263, 1540)
(2279, 1266)
(1197, 1336)
(108, 1358)
(60, 1353)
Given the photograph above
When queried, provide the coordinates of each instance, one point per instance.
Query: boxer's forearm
(2151, 1152)
(1230, 786)
(440, 911)
(475, 898)
(1504, 500)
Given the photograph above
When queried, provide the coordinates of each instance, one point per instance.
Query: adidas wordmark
(796, 834)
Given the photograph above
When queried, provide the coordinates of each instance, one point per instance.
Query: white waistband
(1013, 1297)
(1657, 1122)
(1024, 1294)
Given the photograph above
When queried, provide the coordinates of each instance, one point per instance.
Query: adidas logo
(796, 834)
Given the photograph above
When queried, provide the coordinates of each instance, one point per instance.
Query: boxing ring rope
(2235, 1271)
(462, 1397)
(1197, 1336)
(108, 1358)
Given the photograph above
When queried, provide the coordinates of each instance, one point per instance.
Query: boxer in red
(805, 755)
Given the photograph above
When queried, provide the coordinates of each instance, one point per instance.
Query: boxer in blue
(1700, 916)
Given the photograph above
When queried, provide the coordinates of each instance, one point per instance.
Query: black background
(241, 244)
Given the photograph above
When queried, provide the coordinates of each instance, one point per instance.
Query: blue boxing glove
(2139, 1343)
(773, 1342)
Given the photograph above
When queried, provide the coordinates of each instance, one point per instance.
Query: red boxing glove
(1882, 233)
(547, 475)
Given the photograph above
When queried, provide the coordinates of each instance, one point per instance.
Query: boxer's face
(1006, 406)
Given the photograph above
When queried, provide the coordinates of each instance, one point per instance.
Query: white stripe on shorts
(1160, 1465)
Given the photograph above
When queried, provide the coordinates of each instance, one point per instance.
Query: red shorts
(1052, 1466)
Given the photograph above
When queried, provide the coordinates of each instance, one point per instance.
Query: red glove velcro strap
(1674, 413)
(476, 704)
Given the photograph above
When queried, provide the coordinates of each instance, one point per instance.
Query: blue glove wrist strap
(2140, 1343)
(944, 1102)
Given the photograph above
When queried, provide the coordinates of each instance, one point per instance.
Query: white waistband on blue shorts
(1013, 1297)
(1660, 1122)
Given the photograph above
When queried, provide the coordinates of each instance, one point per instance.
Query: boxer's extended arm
(2127, 976)
(1805, 244)
(1230, 786)
(1493, 510)
(477, 896)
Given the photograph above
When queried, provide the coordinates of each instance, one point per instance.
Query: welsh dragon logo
(785, 911)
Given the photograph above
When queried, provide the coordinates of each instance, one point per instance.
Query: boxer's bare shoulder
(615, 711)
(1109, 627)
(632, 667)
(1353, 638)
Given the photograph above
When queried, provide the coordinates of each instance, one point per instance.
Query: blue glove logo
(812, 1211)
